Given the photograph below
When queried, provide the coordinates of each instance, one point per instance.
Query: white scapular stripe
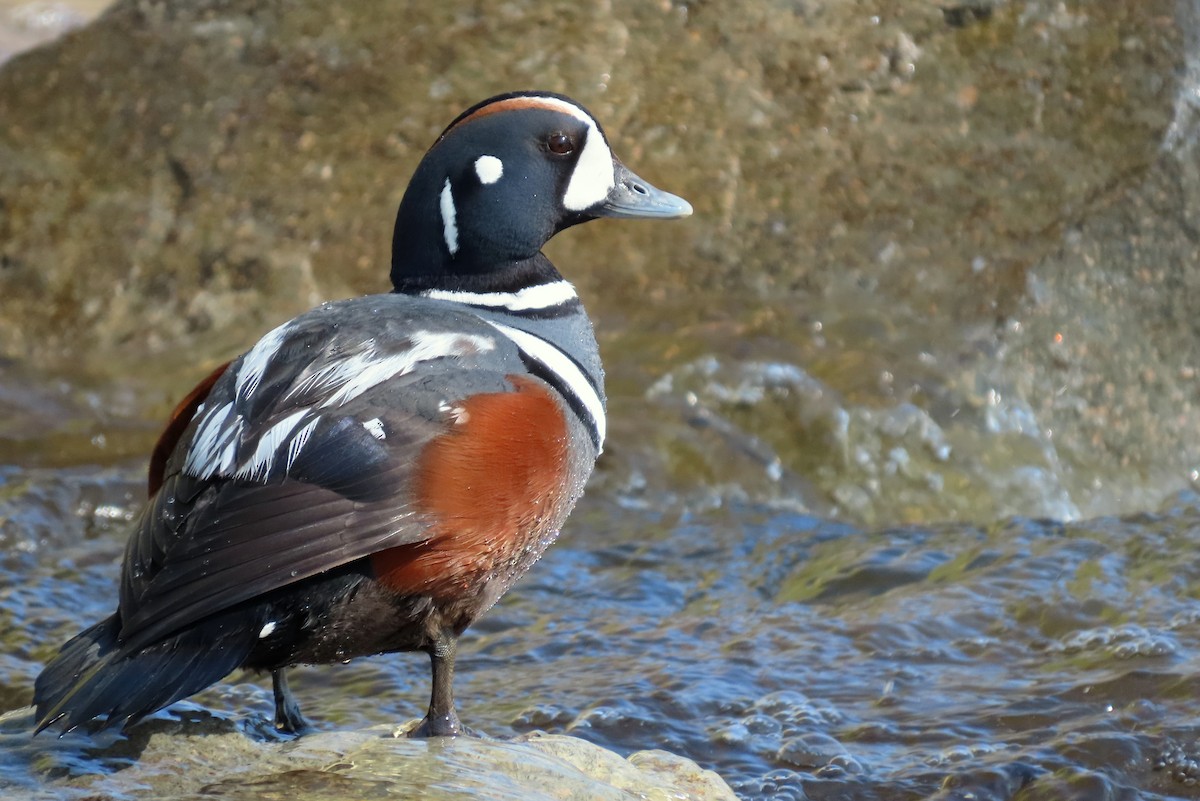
(267, 630)
(299, 441)
(215, 446)
(562, 366)
(269, 444)
(209, 453)
(542, 296)
(362, 371)
(449, 218)
(256, 361)
(489, 169)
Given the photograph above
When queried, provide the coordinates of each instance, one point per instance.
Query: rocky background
(941, 253)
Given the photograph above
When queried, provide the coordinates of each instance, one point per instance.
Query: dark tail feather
(91, 676)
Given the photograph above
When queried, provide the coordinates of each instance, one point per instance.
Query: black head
(503, 178)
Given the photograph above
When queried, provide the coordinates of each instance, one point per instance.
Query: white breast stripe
(542, 296)
(449, 218)
(562, 366)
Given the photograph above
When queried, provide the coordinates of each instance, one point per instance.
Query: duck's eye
(560, 144)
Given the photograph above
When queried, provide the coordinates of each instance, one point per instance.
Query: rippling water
(799, 657)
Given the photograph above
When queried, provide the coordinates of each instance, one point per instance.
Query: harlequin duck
(374, 474)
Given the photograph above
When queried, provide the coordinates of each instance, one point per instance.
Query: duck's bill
(635, 198)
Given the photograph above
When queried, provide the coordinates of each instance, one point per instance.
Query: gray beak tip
(633, 197)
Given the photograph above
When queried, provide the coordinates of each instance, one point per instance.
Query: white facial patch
(449, 219)
(489, 169)
(593, 177)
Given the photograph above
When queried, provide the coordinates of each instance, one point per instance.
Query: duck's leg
(441, 720)
(288, 719)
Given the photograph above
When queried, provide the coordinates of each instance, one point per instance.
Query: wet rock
(991, 784)
(815, 750)
(1179, 763)
(379, 762)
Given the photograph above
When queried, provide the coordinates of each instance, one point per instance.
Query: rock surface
(27, 23)
(210, 758)
(980, 211)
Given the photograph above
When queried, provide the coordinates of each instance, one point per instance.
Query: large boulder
(970, 226)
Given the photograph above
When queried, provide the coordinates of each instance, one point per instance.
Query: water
(799, 657)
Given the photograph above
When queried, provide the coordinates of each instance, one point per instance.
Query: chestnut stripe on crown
(593, 176)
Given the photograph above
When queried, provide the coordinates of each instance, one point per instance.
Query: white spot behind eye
(449, 219)
(489, 169)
